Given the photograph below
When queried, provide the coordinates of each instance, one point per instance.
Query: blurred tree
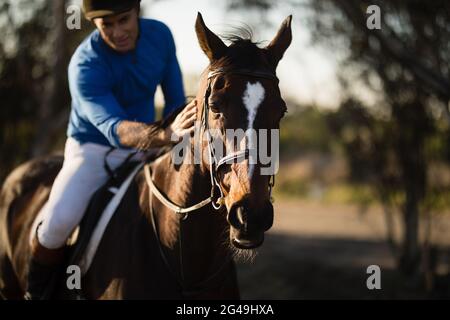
(406, 61)
(406, 65)
(49, 111)
(34, 93)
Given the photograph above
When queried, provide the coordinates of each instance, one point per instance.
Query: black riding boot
(44, 264)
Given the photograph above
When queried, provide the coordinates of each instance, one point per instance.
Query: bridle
(215, 165)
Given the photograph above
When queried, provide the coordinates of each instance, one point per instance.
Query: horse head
(240, 93)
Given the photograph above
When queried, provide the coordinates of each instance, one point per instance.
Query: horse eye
(216, 101)
(215, 107)
(219, 83)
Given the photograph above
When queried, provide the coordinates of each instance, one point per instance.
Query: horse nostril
(237, 218)
(245, 220)
(233, 219)
(241, 215)
(268, 217)
(268, 223)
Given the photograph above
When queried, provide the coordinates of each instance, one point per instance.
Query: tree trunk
(47, 126)
(410, 258)
(413, 128)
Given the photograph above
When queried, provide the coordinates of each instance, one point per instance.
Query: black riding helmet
(101, 8)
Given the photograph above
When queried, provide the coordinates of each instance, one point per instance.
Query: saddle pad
(106, 216)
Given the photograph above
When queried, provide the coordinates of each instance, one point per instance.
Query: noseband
(215, 165)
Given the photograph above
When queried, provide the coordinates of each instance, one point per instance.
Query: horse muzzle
(247, 226)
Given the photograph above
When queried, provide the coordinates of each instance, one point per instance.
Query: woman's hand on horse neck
(144, 136)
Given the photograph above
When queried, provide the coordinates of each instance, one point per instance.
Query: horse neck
(202, 233)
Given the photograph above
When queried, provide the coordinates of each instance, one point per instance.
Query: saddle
(102, 206)
(83, 243)
(99, 201)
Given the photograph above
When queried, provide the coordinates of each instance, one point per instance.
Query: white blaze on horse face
(253, 96)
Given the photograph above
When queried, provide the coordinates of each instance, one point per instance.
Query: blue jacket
(108, 87)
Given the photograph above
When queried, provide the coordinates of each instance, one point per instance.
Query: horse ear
(211, 44)
(281, 42)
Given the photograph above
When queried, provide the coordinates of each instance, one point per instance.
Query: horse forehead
(252, 97)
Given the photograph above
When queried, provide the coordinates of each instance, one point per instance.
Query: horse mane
(242, 52)
(238, 34)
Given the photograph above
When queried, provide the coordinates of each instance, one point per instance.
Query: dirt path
(317, 250)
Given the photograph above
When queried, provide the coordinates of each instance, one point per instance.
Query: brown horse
(148, 251)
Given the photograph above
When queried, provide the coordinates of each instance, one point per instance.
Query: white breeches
(81, 175)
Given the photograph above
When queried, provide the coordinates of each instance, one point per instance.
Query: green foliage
(305, 130)
(368, 145)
